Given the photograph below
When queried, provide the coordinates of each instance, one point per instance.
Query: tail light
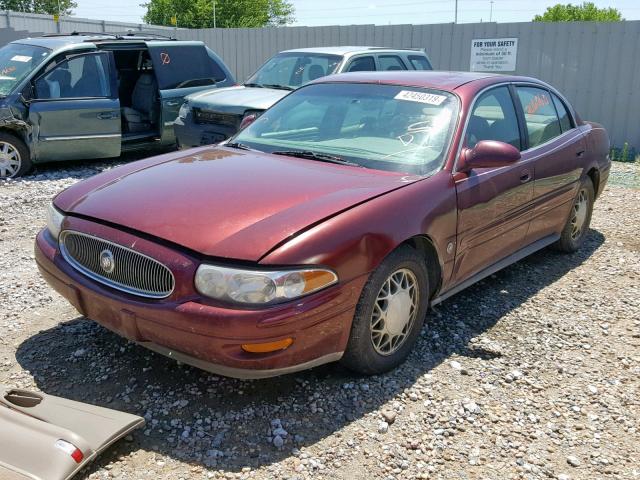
(71, 450)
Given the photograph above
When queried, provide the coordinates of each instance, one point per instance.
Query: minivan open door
(75, 110)
(45, 437)
(180, 70)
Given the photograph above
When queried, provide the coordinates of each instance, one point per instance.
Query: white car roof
(344, 50)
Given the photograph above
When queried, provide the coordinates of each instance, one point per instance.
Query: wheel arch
(424, 244)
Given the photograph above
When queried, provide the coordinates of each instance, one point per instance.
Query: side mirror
(488, 154)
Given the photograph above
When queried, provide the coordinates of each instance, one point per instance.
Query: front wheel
(389, 314)
(14, 157)
(577, 226)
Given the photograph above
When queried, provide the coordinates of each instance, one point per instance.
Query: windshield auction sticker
(494, 54)
(420, 97)
(21, 58)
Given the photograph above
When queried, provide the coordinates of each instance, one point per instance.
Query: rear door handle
(580, 153)
(525, 176)
(107, 115)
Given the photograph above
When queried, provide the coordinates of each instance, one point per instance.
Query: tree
(48, 7)
(229, 13)
(587, 12)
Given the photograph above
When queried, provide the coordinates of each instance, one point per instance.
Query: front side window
(362, 64)
(17, 60)
(493, 118)
(539, 115)
(292, 70)
(77, 77)
(394, 128)
(390, 62)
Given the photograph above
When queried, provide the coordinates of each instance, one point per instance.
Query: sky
(380, 12)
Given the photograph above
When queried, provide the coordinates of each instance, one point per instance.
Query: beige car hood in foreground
(36, 430)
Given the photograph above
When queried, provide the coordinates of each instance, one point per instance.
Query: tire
(367, 351)
(575, 230)
(15, 160)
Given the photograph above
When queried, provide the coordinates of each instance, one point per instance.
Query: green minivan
(88, 95)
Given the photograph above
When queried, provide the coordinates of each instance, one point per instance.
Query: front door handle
(525, 176)
(106, 115)
(172, 103)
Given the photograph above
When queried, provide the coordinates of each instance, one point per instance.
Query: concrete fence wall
(596, 65)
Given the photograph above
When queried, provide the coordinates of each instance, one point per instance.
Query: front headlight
(184, 110)
(260, 286)
(54, 221)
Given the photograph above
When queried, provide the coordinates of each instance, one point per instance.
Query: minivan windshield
(292, 70)
(17, 60)
(386, 127)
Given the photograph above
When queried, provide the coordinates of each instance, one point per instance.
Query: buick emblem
(107, 262)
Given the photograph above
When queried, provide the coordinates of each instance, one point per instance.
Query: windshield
(386, 127)
(16, 61)
(292, 70)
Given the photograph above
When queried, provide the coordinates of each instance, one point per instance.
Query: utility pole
(214, 13)
(491, 11)
(456, 18)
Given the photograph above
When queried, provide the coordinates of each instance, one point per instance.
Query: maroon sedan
(325, 229)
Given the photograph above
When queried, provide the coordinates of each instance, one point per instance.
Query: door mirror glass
(488, 154)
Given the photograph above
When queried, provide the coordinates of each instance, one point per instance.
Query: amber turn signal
(267, 347)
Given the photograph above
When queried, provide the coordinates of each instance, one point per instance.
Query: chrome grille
(216, 118)
(129, 271)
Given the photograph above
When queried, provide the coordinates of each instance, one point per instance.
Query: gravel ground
(532, 373)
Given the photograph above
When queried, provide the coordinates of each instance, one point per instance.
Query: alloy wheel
(10, 160)
(394, 311)
(579, 214)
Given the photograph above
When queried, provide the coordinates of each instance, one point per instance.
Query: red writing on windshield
(537, 103)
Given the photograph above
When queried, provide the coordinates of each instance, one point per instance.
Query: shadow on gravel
(225, 423)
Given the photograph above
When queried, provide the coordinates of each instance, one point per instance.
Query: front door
(493, 203)
(75, 111)
(180, 70)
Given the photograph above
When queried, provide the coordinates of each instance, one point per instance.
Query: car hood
(236, 99)
(223, 202)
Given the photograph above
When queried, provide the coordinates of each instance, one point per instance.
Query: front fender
(355, 241)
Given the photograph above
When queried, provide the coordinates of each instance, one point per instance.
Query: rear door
(555, 149)
(180, 69)
(75, 111)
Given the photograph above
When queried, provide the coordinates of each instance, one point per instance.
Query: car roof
(442, 80)
(56, 41)
(349, 49)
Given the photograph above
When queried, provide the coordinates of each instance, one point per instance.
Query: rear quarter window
(177, 64)
(419, 62)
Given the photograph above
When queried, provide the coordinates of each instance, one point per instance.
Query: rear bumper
(209, 336)
(190, 134)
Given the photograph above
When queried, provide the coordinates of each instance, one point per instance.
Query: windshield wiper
(322, 157)
(278, 87)
(239, 146)
(253, 85)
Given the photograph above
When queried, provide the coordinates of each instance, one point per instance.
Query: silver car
(212, 116)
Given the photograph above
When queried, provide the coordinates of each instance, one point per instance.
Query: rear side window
(362, 64)
(493, 118)
(563, 114)
(390, 62)
(539, 115)
(419, 62)
(181, 65)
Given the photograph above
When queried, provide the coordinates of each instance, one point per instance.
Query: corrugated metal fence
(596, 65)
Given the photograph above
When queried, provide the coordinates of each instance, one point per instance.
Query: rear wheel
(389, 314)
(14, 156)
(577, 226)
